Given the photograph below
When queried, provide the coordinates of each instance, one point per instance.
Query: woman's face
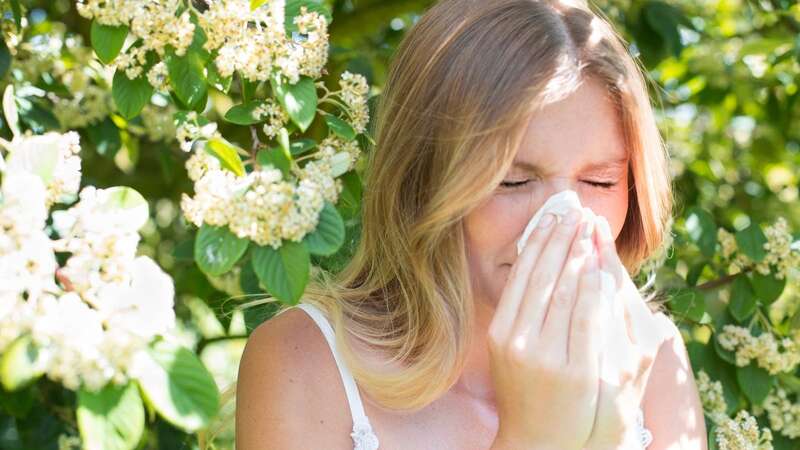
(575, 144)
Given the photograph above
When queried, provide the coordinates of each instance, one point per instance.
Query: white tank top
(363, 436)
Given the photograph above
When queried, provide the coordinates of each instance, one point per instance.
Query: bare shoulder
(289, 392)
(672, 408)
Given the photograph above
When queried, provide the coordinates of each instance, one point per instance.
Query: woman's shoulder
(288, 385)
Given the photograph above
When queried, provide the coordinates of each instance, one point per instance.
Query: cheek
(494, 226)
(613, 206)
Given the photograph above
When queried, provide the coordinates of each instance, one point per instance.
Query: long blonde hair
(464, 82)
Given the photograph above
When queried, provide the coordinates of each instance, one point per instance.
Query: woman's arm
(671, 404)
(289, 395)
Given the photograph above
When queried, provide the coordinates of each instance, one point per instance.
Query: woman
(490, 107)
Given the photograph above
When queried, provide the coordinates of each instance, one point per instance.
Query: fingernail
(546, 220)
(572, 217)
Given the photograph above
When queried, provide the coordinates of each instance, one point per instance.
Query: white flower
(53, 157)
(142, 306)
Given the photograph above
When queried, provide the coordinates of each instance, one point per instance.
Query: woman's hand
(544, 353)
(635, 336)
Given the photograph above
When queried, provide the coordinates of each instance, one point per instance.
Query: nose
(547, 188)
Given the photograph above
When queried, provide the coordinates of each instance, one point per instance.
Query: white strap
(353, 398)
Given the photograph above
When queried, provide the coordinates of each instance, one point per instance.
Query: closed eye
(598, 184)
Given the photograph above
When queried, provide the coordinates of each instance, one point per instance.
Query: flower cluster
(52, 156)
(783, 414)
(773, 355)
(354, 90)
(154, 25)
(193, 127)
(275, 116)
(781, 253)
(92, 315)
(255, 44)
(157, 122)
(739, 433)
(66, 60)
(711, 396)
(263, 206)
(742, 433)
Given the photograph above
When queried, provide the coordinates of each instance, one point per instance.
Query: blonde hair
(464, 82)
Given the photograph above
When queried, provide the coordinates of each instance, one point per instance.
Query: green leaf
(694, 273)
(284, 272)
(711, 436)
(702, 230)
(689, 303)
(283, 140)
(664, 19)
(105, 137)
(110, 419)
(216, 80)
(244, 114)
(255, 4)
(227, 155)
(130, 96)
(727, 355)
(767, 288)
(328, 236)
(299, 99)
(19, 364)
(743, 301)
(350, 198)
(751, 242)
(256, 314)
(107, 40)
(790, 382)
(340, 127)
(178, 386)
(17, 403)
(703, 357)
(16, 11)
(276, 158)
(186, 76)
(300, 146)
(36, 115)
(5, 58)
(755, 382)
(216, 249)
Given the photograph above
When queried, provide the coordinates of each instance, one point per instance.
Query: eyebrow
(603, 165)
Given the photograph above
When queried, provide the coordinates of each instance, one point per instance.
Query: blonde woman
(437, 334)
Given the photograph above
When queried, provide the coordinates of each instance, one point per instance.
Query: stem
(722, 281)
(254, 148)
(330, 100)
(204, 342)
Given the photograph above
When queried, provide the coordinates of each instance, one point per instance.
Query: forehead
(580, 129)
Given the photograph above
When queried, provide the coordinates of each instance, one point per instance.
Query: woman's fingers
(643, 329)
(589, 317)
(555, 330)
(508, 306)
(528, 322)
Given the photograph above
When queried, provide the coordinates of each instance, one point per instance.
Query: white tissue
(559, 204)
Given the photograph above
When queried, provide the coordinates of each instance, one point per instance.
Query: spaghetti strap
(363, 436)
